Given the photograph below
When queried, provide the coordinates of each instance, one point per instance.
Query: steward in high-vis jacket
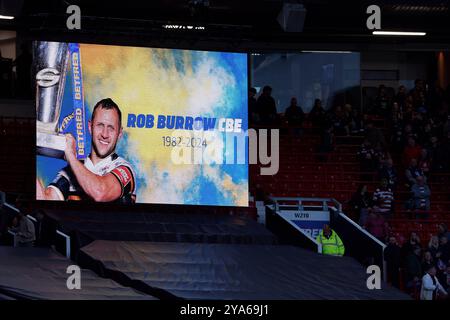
(330, 241)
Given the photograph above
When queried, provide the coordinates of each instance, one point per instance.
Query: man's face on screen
(105, 131)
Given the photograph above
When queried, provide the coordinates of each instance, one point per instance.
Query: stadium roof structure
(243, 24)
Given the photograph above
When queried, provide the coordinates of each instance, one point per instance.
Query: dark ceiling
(241, 24)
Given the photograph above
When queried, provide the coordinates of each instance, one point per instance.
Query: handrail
(369, 235)
(324, 205)
(13, 234)
(67, 238)
(6, 204)
(324, 202)
(11, 207)
(32, 218)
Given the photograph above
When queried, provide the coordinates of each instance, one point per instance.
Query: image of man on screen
(104, 176)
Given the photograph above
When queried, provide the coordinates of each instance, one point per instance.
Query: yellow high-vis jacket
(332, 246)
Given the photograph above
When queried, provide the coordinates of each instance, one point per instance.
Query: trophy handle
(51, 59)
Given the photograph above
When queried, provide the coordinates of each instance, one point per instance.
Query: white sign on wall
(310, 222)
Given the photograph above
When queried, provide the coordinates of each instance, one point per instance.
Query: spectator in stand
(436, 121)
(375, 225)
(413, 242)
(383, 199)
(374, 135)
(413, 172)
(440, 267)
(422, 107)
(392, 256)
(422, 104)
(408, 110)
(266, 106)
(295, 116)
(382, 155)
(434, 150)
(418, 123)
(388, 229)
(317, 114)
(417, 93)
(427, 261)
(5, 77)
(411, 151)
(252, 109)
(425, 162)
(425, 134)
(446, 277)
(389, 173)
(400, 98)
(340, 120)
(367, 157)
(396, 115)
(397, 129)
(445, 153)
(446, 126)
(360, 203)
(356, 121)
(382, 102)
(444, 248)
(408, 132)
(348, 113)
(435, 98)
(443, 231)
(413, 268)
(433, 246)
(421, 196)
(431, 287)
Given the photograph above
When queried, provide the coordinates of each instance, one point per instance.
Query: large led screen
(140, 125)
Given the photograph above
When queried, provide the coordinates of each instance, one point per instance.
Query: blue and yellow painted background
(165, 82)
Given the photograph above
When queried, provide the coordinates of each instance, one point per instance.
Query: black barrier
(358, 243)
(83, 227)
(286, 233)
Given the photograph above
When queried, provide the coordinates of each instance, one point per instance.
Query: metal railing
(370, 236)
(300, 203)
(66, 241)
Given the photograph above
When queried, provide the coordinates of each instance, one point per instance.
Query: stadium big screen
(142, 125)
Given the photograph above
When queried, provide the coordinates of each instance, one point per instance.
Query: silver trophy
(50, 60)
